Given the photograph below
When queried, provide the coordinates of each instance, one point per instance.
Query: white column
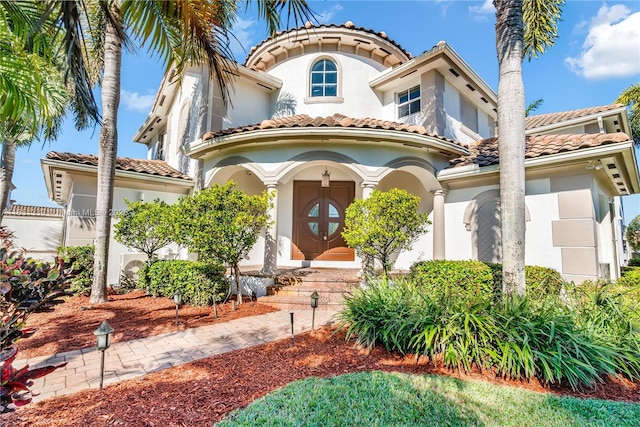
(438, 225)
(367, 189)
(270, 263)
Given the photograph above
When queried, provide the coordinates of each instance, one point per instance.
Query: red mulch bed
(203, 392)
(133, 315)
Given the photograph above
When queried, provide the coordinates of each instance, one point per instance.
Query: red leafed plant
(26, 286)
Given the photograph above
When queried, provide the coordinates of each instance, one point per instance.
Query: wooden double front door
(318, 220)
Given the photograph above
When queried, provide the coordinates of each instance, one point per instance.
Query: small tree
(384, 224)
(633, 234)
(222, 223)
(144, 226)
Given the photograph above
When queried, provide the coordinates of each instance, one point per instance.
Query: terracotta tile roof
(348, 25)
(337, 120)
(149, 167)
(25, 210)
(485, 152)
(540, 120)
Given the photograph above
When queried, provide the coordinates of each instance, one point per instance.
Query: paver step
(292, 290)
(307, 290)
(299, 303)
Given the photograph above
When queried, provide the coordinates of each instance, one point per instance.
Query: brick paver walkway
(130, 359)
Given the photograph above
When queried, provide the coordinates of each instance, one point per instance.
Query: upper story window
(159, 152)
(324, 78)
(408, 101)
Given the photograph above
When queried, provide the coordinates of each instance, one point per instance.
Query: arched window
(324, 78)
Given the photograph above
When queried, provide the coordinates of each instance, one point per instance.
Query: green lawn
(395, 399)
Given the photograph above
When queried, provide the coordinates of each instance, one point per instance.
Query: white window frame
(324, 99)
(323, 85)
(410, 103)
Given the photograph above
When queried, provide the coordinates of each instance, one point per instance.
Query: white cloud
(242, 35)
(610, 48)
(486, 8)
(326, 16)
(136, 102)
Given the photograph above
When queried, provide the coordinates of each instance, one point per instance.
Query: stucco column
(270, 263)
(367, 189)
(438, 224)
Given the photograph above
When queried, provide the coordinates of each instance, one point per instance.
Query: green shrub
(542, 282)
(630, 276)
(377, 314)
(81, 258)
(611, 314)
(520, 338)
(634, 262)
(544, 341)
(199, 282)
(461, 278)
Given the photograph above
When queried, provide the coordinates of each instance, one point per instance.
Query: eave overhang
(58, 193)
(203, 149)
(443, 58)
(623, 155)
(619, 113)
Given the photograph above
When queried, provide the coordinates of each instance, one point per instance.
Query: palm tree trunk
(107, 152)
(7, 163)
(511, 137)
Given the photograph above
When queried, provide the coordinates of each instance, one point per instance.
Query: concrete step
(307, 289)
(298, 303)
(292, 290)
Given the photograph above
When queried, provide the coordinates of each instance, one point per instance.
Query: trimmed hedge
(475, 278)
(459, 278)
(542, 282)
(81, 258)
(198, 282)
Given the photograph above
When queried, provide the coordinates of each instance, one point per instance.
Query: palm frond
(541, 18)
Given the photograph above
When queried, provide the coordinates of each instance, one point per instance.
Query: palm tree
(631, 98)
(32, 92)
(181, 32)
(533, 106)
(523, 28)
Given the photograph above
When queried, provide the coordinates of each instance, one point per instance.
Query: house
(321, 115)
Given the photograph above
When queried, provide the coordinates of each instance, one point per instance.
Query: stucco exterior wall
(39, 236)
(542, 209)
(354, 72)
(250, 105)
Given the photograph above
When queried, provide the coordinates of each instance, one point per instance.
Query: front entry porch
(292, 287)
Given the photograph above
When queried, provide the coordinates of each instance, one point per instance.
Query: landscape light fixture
(177, 300)
(314, 305)
(292, 336)
(102, 338)
(326, 175)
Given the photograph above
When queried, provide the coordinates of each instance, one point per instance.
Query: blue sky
(596, 56)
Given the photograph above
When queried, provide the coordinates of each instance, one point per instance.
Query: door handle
(324, 237)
